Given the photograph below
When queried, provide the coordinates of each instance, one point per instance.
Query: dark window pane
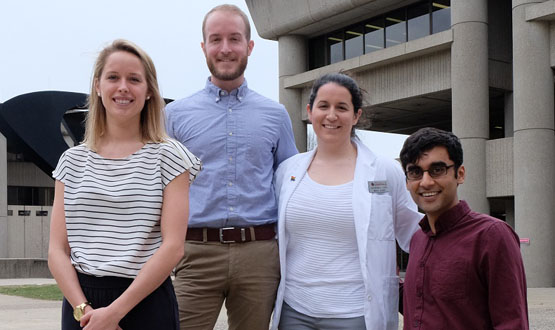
(374, 37)
(418, 18)
(25, 196)
(317, 53)
(441, 15)
(335, 47)
(12, 195)
(30, 196)
(49, 196)
(354, 45)
(395, 28)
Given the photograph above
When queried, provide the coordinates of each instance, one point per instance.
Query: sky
(52, 45)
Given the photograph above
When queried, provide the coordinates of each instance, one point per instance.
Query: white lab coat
(380, 218)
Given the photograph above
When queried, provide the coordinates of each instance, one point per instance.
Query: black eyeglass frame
(445, 168)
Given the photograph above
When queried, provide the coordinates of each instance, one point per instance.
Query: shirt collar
(447, 220)
(218, 93)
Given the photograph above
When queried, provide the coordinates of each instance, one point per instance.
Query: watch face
(78, 313)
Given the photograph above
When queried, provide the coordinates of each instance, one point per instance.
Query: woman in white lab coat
(341, 208)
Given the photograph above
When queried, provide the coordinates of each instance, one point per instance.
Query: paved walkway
(18, 313)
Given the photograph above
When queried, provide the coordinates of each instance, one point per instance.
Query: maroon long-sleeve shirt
(469, 275)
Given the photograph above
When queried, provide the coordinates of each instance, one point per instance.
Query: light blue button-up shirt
(241, 138)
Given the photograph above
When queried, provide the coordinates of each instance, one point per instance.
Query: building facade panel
(33, 232)
(499, 168)
(401, 80)
(16, 231)
(28, 174)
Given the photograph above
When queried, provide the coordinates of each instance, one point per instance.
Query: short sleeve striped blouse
(113, 206)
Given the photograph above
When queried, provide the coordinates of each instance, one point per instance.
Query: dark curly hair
(426, 139)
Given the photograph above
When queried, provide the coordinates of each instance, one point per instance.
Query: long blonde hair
(152, 115)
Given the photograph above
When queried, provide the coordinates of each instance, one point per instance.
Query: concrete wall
(28, 175)
(552, 44)
(499, 168)
(277, 18)
(534, 139)
(3, 199)
(28, 234)
(24, 268)
(428, 46)
(417, 67)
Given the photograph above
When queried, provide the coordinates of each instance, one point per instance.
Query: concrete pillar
(508, 115)
(293, 60)
(3, 197)
(534, 145)
(470, 95)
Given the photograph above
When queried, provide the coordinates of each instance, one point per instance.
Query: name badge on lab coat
(378, 187)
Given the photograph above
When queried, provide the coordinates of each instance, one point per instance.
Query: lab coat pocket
(381, 218)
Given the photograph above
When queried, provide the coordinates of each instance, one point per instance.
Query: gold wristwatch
(79, 310)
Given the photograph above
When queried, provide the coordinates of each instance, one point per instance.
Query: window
(30, 196)
(393, 28)
(418, 18)
(354, 44)
(441, 15)
(374, 35)
(317, 53)
(335, 47)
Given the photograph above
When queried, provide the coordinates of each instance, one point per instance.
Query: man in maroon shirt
(465, 269)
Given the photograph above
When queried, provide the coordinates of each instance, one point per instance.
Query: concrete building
(35, 129)
(481, 68)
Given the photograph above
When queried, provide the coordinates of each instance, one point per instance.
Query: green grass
(44, 292)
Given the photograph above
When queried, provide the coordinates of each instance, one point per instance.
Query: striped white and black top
(113, 206)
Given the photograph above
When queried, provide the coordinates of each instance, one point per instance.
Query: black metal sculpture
(31, 124)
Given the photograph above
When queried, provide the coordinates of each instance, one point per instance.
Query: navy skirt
(157, 311)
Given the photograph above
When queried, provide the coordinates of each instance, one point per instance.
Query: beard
(225, 75)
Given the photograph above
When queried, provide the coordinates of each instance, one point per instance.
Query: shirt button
(416, 324)
(369, 298)
(230, 111)
(240, 98)
(230, 159)
(231, 208)
(230, 133)
(230, 183)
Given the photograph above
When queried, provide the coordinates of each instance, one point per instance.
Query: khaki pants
(245, 275)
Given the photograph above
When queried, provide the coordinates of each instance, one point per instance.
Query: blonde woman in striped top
(121, 203)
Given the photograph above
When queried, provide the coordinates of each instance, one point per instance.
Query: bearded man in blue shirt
(231, 253)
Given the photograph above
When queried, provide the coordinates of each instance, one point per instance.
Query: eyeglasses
(414, 173)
